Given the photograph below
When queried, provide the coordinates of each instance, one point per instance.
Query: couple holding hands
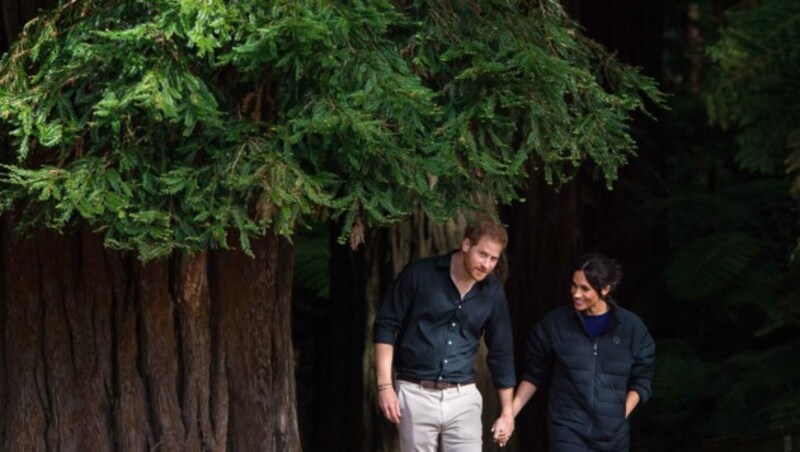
(596, 357)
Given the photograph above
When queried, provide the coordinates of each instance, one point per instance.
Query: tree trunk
(338, 390)
(545, 237)
(102, 352)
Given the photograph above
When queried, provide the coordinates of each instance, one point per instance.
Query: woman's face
(585, 298)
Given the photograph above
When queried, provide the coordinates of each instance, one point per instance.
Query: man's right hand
(387, 402)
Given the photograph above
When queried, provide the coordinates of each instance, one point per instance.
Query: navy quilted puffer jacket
(589, 378)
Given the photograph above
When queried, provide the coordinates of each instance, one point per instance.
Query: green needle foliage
(754, 89)
(168, 124)
(732, 233)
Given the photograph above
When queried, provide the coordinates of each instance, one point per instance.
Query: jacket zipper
(591, 386)
(595, 342)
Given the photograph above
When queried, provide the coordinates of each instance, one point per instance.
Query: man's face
(481, 258)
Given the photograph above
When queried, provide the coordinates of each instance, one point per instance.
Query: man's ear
(466, 244)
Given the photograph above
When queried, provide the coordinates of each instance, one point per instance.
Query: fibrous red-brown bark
(102, 352)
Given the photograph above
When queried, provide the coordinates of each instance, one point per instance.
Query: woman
(597, 358)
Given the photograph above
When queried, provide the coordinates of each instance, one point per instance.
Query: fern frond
(705, 266)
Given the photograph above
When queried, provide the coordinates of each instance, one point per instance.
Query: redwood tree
(162, 153)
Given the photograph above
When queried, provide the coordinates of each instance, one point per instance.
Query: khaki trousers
(427, 416)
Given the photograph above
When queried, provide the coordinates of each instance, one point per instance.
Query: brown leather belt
(434, 384)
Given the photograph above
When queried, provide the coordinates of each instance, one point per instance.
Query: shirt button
(439, 378)
(453, 324)
(459, 306)
(449, 342)
(445, 361)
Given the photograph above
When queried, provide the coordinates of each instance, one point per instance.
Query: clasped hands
(502, 429)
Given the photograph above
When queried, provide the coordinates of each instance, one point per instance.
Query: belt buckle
(441, 385)
(426, 384)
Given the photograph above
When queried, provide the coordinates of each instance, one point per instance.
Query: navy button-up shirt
(436, 335)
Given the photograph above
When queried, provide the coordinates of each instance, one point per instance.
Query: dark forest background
(707, 242)
(703, 221)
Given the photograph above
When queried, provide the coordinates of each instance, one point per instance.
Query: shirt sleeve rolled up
(393, 309)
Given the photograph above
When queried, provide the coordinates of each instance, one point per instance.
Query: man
(429, 327)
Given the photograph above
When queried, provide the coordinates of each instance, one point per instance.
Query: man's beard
(474, 271)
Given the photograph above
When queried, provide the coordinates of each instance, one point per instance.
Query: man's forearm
(503, 427)
(387, 398)
(506, 396)
(384, 353)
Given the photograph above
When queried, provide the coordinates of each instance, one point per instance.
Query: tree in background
(726, 310)
(195, 134)
(752, 91)
(755, 61)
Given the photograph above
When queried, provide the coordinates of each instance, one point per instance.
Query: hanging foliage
(166, 124)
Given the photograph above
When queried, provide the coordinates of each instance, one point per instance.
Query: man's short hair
(486, 226)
